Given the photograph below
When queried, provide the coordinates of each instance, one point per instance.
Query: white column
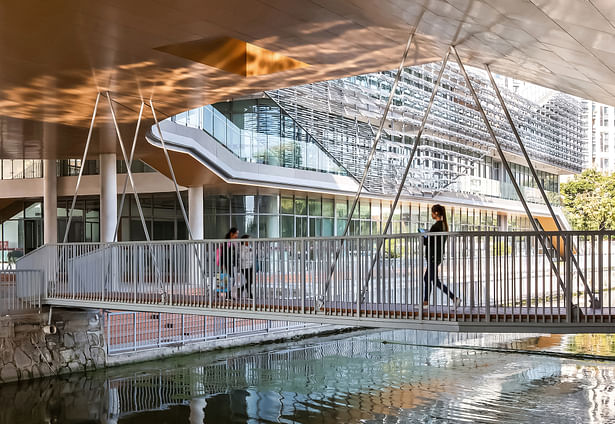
(197, 410)
(50, 201)
(108, 196)
(195, 212)
(502, 221)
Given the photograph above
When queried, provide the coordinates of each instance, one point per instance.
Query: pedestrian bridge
(557, 282)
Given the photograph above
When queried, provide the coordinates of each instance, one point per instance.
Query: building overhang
(57, 55)
(200, 159)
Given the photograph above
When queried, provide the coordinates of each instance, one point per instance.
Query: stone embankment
(30, 348)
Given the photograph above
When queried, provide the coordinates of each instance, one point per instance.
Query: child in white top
(246, 263)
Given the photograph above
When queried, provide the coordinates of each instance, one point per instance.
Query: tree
(589, 200)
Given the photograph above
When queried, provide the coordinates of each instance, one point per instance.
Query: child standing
(246, 262)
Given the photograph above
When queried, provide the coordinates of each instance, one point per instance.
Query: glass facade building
(22, 231)
(287, 215)
(600, 122)
(16, 169)
(455, 146)
(330, 127)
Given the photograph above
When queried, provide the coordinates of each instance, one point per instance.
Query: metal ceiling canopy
(56, 56)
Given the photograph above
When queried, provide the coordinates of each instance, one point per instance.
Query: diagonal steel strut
(369, 159)
(85, 153)
(406, 171)
(132, 152)
(595, 302)
(506, 165)
(179, 197)
(166, 155)
(128, 170)
(137, 201)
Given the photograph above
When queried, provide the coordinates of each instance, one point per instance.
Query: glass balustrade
(263, 139)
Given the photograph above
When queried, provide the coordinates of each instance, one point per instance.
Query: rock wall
(28, 352)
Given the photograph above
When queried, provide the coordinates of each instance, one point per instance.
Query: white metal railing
(501, 276)
(20, 290)
(132, 331)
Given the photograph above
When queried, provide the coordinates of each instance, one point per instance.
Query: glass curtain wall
(21, 226)
(286, 215)
(85, 222)
(162, 214)
(262, 216)
(16, 169)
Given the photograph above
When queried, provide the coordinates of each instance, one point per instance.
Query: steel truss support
(136, 194)
(417, 141)
(128, 170)
(179, 197)
(595, 302)
(166, 155)
(128, 160)
(506, 165)
(369, 159)
(132, 152)
(85, 153)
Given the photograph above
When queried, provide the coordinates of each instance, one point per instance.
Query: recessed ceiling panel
(233, 55)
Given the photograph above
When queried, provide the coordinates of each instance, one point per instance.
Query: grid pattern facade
(343, 115)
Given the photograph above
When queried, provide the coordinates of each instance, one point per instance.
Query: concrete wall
(148, 182)
(27, 352)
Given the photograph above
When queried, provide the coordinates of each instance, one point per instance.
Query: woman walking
(434, 250)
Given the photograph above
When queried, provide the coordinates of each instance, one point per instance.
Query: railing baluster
(609, 282)
(487, 280)
(568, 279)
(600, 278)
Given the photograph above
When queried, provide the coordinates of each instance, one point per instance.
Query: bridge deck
(495, 318)
(560, 282)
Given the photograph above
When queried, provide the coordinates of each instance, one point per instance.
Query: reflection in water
(345, 378)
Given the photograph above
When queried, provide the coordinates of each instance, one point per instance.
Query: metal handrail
(374, 236)
(21, 290)
(493, 275)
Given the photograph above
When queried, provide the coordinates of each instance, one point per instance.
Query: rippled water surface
(368, 377)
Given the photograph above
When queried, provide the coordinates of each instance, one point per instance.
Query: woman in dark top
(228, 257)
(434, 250)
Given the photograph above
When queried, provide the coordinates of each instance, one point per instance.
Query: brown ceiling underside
(56, 55)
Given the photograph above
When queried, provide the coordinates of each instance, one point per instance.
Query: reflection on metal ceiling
(57, 55)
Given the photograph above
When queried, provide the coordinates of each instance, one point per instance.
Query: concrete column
(108, 196)
(50, 202)
(195, 212)
(197, 410)
(502, 221)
